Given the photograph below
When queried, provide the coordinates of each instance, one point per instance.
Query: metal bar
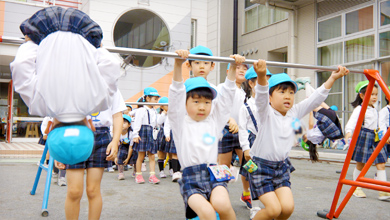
(145, 103)
(156, 53)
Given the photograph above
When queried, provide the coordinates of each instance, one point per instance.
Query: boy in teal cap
(196, 131)
(270, 183)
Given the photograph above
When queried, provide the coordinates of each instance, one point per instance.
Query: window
(329, 29)
(330, 55)
(384, 44)
(385, 13)
(258, 16)
(193, 32)
(359, 49)
(141, 29)
(359, 20)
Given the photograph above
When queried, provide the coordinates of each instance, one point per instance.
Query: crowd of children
(195, 131)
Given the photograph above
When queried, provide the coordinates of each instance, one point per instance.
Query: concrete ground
(313, 186)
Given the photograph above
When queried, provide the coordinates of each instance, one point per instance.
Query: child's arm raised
(177, 76)
(342, 71)
(261, 69)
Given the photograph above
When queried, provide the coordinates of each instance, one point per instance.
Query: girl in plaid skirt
(125, 149)
(367, 139)
(161, 143)
(143, 131)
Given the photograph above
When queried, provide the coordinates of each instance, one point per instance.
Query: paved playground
(313, 186)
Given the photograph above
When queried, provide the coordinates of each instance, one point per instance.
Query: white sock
(381, 175)
(356, 173)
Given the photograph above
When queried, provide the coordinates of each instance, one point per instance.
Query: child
(384, 123)
(124, 149)
(270, 183)
(96, 163)
(366, 142)
(195, 132)
(144, 125)
(248, 120)
(161, 143)
(327, 126)
(57, 52)
(174, 166)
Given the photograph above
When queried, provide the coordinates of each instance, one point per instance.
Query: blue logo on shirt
(208, 139)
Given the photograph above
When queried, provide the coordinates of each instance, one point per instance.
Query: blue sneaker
(247, 201)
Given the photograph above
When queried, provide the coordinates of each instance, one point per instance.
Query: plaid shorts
(122, 153)
(98, 156)
(365, 146)
(52, 19)
(270, 175)
(147, 143)
(196, 180)
(229, 142)
(243, 171)
(161, 143)
(41, 141)
(327, 127)
(133, 158)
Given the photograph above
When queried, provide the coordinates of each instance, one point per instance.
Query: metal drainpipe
(235, 25)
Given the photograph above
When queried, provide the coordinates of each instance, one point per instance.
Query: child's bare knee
(287, 210)
(274, 211)
(92, 191)
(75, 193)
(206, 212)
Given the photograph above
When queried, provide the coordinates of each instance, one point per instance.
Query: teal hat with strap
(279, 78)
(199, 82)
(163, 100)
(150, 91)
(126, 117)
(361, 85)
(199, 50)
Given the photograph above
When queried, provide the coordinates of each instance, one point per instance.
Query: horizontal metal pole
(145, 103)
(156, 53)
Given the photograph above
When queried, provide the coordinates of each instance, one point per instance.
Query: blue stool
(197, 217)
(48, 169)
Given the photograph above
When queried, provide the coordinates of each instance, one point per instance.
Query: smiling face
(201, 68)
(282, 98)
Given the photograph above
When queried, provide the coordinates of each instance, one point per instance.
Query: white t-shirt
(246, 123)
(315, 135)
(65, 77)
(197, 142)
(276, 136)
(142, 119)
(370, 119)
(104, 118)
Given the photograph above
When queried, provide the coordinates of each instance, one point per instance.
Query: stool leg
(41, 162)
(47, 187)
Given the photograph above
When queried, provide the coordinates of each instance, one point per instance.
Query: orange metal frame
(373, 76)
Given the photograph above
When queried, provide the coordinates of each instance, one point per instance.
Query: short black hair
(190, 61)
(283, 86)
(200, 92)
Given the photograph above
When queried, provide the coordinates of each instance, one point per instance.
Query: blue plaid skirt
(171, 146)
(122, 153)
(365, 146)
(243, 171)
(327, 127)
(98, 156)
(147, 142)
(161, 143)
(229, 142)
(196, 179)
(270, 175)
(52, 19)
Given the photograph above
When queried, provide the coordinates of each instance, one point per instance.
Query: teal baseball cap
(150, 91)
(70, 144)
(126, 117)
(163, 100)
(199, 82)
(250, 73)
(279, 78)
(140, 99)
(334, 108)
(199, 50)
